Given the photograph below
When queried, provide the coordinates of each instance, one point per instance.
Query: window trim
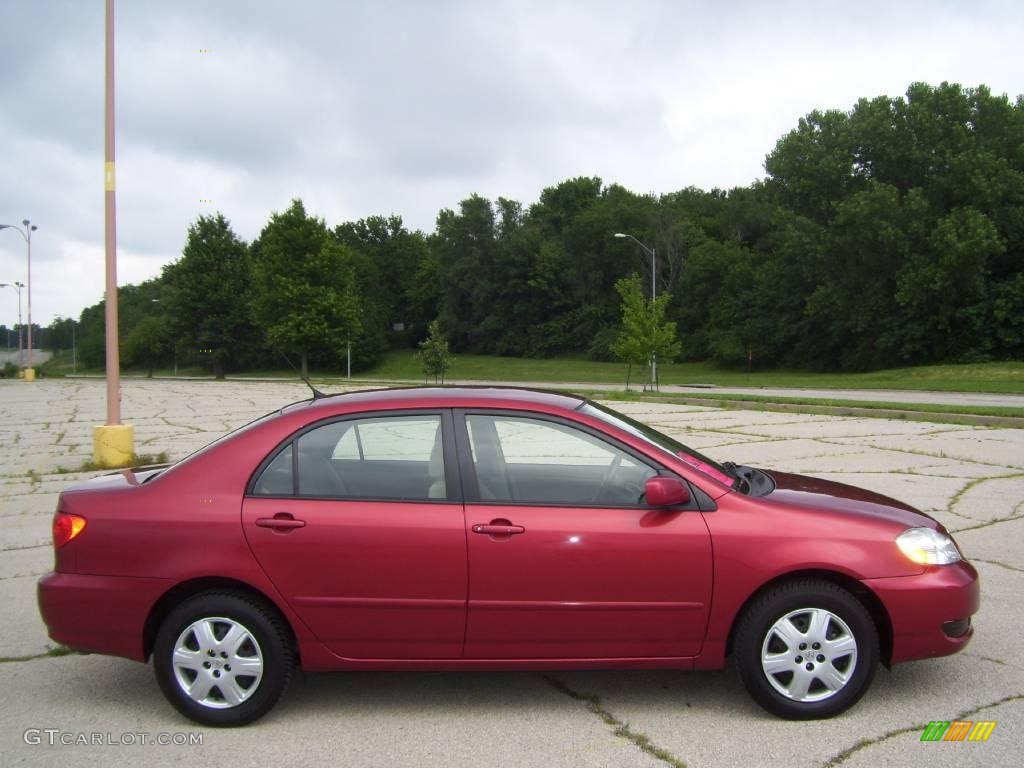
(453, 486)
(467, 469)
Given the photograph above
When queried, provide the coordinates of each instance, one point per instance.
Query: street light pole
(27, 235)
(113, 442)
(29, 229)
(654, 293)
(113, 363)
(16, 286)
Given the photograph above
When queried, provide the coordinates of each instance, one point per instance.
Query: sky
(407, 107)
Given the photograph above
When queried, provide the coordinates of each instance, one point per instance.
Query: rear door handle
(498, 530)
(282, 521)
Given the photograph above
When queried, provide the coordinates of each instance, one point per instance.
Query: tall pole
(654, 293)
(28, 237)
(21, 332)
(113, 442)
(113, 357)
(74, 349)
(16, 286)
(27, 234)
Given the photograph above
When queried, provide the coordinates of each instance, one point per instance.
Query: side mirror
(666, 491)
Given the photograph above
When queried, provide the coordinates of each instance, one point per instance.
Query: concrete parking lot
(969, 478)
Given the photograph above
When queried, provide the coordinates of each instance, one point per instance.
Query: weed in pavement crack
(619, 728)
(51, 653)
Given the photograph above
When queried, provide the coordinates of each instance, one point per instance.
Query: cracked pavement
(969, 478)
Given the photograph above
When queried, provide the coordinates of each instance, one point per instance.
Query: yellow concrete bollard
(113, 446)
(30, 374)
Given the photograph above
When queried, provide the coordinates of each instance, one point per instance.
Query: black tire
(265, 646)
(835, 678)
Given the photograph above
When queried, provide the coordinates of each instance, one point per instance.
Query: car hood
(815, 493)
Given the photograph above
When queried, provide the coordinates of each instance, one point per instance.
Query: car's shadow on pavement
(131, 687)
(637, 691)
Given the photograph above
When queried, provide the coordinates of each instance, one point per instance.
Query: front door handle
(498, 528)
(282, 521)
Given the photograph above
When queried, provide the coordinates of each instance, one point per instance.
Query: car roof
(442, 397)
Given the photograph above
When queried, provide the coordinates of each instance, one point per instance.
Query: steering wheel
(608, 475)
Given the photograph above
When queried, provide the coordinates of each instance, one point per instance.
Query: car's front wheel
(807, 649)
(222, 658)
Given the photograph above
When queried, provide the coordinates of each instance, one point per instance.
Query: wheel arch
(867, 598)
(187, 589)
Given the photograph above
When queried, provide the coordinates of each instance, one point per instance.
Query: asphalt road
(970, 478)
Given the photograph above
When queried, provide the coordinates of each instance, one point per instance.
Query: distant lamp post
(17, 287)
(30, 374)
(654, 293)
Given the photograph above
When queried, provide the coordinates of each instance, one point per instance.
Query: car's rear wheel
(222, 658)
(807, 649)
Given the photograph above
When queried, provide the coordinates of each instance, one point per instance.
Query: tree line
(888, 234)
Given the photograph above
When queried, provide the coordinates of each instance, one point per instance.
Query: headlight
(928, 546)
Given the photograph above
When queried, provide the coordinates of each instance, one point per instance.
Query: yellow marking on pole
(109, 176)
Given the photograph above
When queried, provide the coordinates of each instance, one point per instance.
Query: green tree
(206, 293)
(147, 343)
(58, 334)
(304, 288)
(392, 275)
(135, 303)
(646, 335)
(920, 201)
(466, 248)
(434, 354)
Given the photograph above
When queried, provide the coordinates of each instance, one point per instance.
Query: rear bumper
(99, 614)
(930, 612)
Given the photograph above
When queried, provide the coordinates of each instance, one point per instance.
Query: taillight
(66, 527)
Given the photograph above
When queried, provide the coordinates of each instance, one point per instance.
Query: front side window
(526, 460)
(390, 458)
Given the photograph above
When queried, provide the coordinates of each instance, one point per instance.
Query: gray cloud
(407, 107)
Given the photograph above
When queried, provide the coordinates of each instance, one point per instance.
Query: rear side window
(277, 478)
(386, 458)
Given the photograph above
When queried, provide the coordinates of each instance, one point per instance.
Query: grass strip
(1005, 377)
(734, 401)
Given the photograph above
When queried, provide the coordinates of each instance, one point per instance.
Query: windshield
(696, 460)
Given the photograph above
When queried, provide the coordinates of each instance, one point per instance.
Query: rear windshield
(221, 439)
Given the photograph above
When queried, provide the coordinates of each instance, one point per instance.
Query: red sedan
(482, 528)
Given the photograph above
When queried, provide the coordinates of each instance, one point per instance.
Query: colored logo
(958, 730)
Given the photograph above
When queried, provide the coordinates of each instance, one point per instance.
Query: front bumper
(930, 612)
(99, 614)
